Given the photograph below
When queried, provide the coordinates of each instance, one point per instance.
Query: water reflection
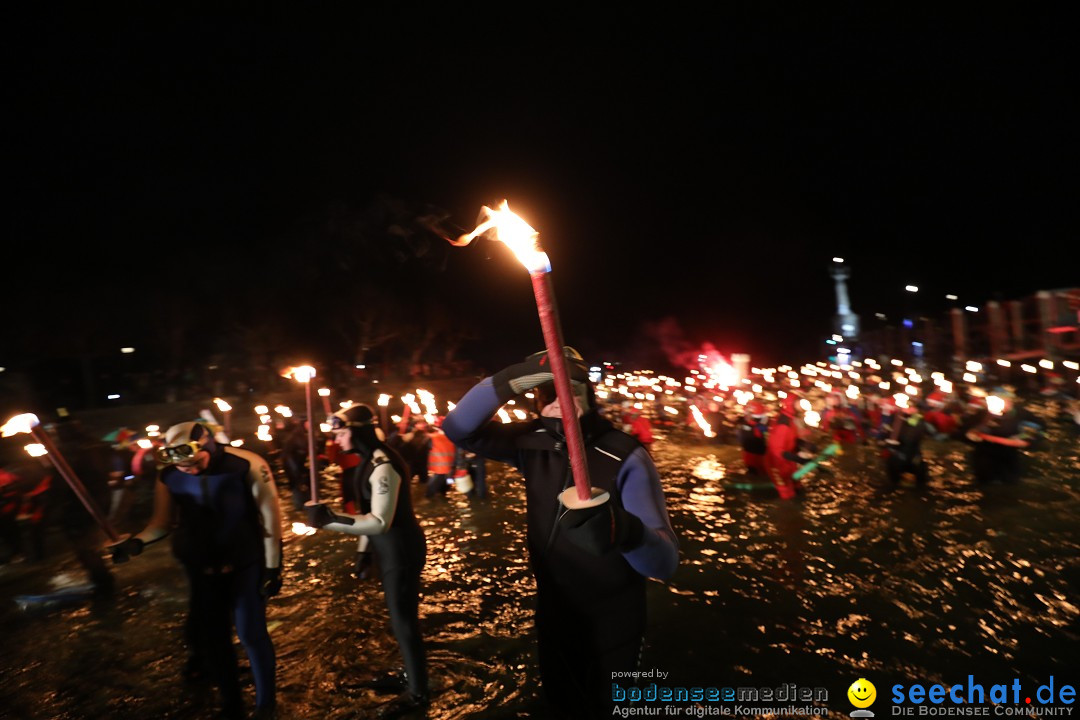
(854, 579)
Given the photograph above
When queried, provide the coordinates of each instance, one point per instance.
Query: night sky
(686, 173)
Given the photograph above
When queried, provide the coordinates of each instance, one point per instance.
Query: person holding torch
(386, 526)
(590, 563)
(228, 538)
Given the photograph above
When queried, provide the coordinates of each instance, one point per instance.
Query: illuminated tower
(845, 322)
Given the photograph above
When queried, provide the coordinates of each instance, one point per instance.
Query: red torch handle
(549, 323)
(60, 463)
(312, 461)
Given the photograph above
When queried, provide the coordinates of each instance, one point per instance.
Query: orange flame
(303, 374)
(699, 418)
(515, 233)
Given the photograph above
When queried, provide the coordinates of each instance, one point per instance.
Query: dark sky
(699, 169)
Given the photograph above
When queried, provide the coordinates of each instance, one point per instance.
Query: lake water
(854, 579)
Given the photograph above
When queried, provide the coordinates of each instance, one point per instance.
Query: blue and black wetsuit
(219, 541)
(591, 609)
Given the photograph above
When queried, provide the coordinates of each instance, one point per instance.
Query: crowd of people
(220, 504)
(221, 508)
(996, 425)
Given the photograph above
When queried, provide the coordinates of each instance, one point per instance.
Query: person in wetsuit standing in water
(228, 538)
(388, 528)
(590, 564)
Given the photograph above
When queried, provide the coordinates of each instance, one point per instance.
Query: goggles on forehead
(178, 453)
(340, 423)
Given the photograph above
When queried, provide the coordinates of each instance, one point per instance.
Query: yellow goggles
(178, 453)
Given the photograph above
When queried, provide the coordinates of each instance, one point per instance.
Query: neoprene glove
(603, 528)
(320, 515)
(535, 371)
(270, 583)
(124, 551)
(364, 566)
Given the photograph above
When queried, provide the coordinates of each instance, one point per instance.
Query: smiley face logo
(862, 693)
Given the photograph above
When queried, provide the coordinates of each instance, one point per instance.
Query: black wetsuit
(591, 610)
(400, 553)
(577, 590)
(907, 456)
(219, 541)
(991, 461)
(89, 460)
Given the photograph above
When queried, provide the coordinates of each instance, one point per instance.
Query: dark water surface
(853, 580)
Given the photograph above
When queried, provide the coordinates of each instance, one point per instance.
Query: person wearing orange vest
(440, 461)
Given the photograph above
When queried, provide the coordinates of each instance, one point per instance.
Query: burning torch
(29, 423)
(523, 241)
(324, 393)
(384, 401)
(304, 374)
(225, 409)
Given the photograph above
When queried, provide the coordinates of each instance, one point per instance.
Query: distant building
(1045, 324)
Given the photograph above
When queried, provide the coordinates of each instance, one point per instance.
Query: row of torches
(640, 387)
(508, 228)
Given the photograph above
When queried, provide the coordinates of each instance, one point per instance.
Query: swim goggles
(178, 453)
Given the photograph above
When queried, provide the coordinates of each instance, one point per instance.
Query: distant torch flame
(515, 233)
(702, 423)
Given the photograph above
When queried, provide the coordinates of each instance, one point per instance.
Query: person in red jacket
(440, 462)
(782, 453)
(944, 419)
(635, 423)
(841, 420)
